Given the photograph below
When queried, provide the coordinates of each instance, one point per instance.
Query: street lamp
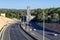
(43, 25)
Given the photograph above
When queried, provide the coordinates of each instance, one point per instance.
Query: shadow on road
(36, 26)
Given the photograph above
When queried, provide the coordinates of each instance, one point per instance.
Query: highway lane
(48, 33)
(5, 36)
(14, 32)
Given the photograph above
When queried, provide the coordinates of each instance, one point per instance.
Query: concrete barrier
(33, 33)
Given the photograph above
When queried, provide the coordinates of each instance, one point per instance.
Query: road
(14, 32)
(48, 33)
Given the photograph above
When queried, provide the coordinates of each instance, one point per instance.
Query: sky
(22, 4)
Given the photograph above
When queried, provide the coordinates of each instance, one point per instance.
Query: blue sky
(22, 4)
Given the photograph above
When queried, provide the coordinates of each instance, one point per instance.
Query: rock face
(4, 21)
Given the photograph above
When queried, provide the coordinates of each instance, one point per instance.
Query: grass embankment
(4, 21)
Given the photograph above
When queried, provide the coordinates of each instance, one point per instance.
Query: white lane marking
(35, 35)
(9, 34)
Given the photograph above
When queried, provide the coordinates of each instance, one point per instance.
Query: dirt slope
(4, 21)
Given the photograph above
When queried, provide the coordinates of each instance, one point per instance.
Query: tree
(55, 15)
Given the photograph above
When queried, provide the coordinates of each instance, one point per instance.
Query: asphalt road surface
(13, 32)
(48, 33)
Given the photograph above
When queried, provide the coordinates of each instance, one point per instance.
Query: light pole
(43, 25)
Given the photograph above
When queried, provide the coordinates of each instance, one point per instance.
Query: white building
(3, 14)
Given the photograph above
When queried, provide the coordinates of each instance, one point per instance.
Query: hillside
(4, 21)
